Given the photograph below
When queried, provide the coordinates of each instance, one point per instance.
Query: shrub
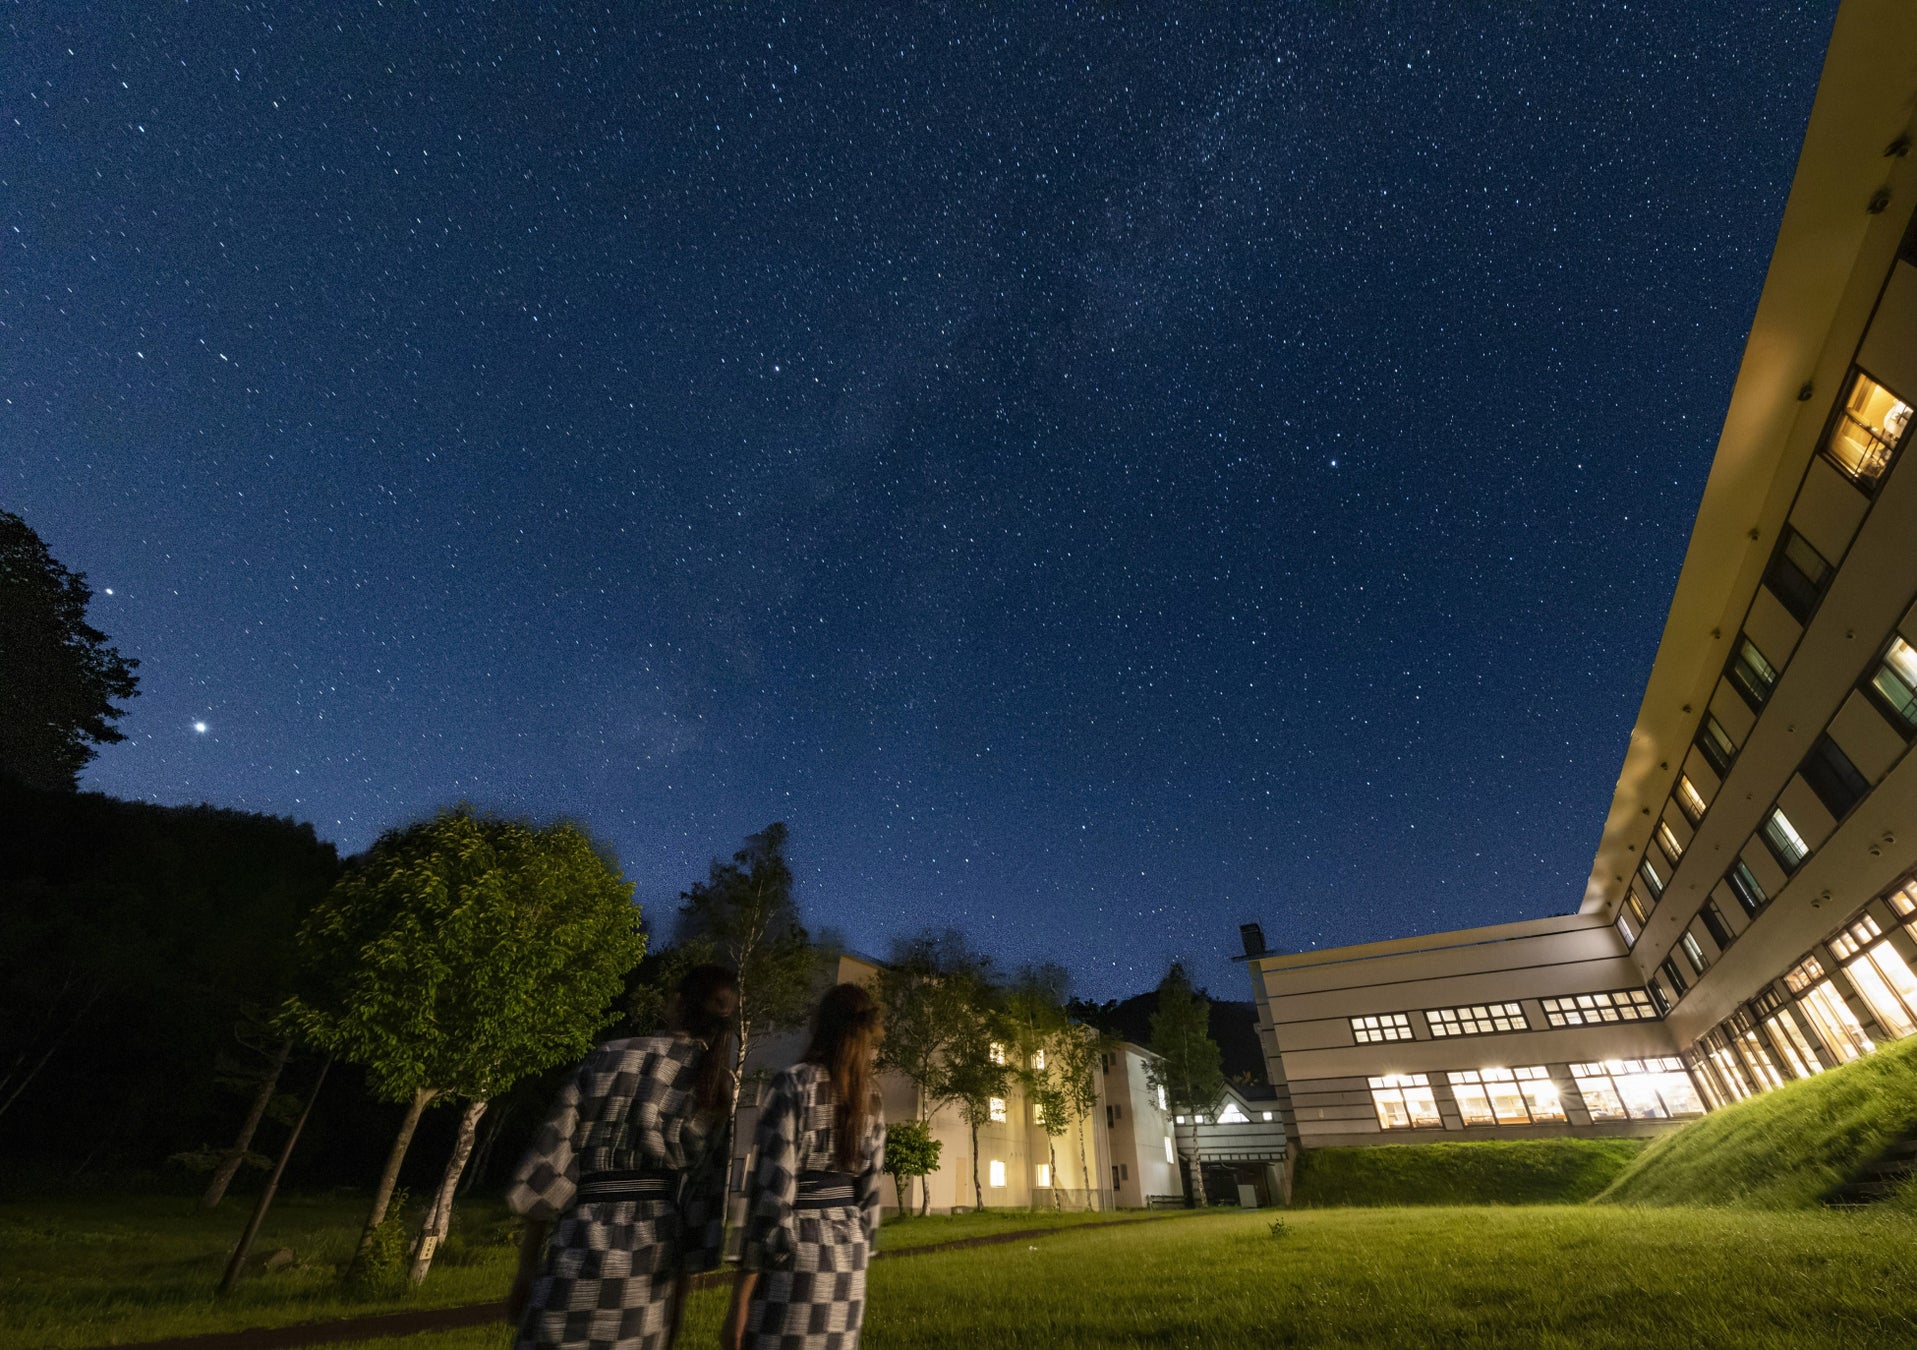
(1490, 1172)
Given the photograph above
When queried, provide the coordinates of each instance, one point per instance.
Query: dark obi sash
(638, 1184)
(826, 1190)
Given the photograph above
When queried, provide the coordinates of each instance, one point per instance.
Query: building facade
(1751, 913)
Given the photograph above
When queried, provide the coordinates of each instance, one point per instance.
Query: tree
(1079, 1065)
(57, 697)
(465, 952)
(1185, 1063)
(1035, 1020)
(743, 916)
(910, 1152)
(931, 992)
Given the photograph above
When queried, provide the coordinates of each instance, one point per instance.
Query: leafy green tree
(743, 916)
(911, 1153)
(1034, 1018)
(931, 991)
(1078, 1065)
(465, 952)
(978, 1067)
(60, 677)
(1186, 1064)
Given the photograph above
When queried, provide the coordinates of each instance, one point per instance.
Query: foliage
(1786, 1149)
(743, 915)
(1479, 1172)
(380, 1273)
(57, 699)
(910, 1152)
(172, 920)
(469, 951)
(931, 991)
(1185, 1058)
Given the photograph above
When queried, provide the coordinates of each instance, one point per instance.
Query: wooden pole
(233, 1267)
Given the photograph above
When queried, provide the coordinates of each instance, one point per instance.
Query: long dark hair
(845, 1041)
(707, 1004)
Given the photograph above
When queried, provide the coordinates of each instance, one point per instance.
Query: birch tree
(744, 916)
(1186, 1064)
(465, 952)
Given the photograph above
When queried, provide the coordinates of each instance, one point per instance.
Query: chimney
(1253, 937)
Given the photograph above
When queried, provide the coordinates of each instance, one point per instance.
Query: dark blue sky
(1100, 473)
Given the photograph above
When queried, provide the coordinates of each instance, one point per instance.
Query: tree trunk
(439, 1217)
(1195, 1168)
(235, 1157)
(1084, 1169)
(389, 1176)
(268, 1191)
(1051, 1149)
(978, 1191)
(483, 1154)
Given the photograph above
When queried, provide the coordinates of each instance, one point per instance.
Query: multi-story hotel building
(1751, 914)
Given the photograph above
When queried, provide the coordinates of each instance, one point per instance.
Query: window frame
(1745, 677)
(1901, 716)
(1738, 878)
(1840, 413)
(1710, 747)
(1785, 860)
(1795, 589)
(1833, 777)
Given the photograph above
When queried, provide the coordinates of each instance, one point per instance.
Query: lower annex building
(1751, 913)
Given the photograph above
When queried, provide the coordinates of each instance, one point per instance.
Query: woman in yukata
(627, 1177)
(812, 1199)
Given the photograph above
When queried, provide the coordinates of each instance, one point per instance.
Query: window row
(1818, 1019)
(1866, 430)
(1480, 1019)
(1648, 1089)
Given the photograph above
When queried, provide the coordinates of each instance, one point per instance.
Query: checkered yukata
(607, 1279)
(811, 1255)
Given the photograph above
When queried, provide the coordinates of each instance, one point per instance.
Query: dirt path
(380, 1326)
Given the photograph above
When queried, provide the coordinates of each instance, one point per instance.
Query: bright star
(200, 727)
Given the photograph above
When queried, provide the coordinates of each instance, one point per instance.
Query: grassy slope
(1786, 1149)
(98, 1270)
(1516, 1278)
(1492, 1172)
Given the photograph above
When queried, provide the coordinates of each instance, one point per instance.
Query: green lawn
(99, 1270)
(1482, 1172)
(1785, 1149)
(1548, 1277)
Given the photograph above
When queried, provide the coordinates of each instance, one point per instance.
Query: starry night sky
(1101, 473)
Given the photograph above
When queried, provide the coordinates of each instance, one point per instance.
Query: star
(200, 727)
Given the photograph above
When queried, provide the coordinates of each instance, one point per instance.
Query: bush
(1491, 1172)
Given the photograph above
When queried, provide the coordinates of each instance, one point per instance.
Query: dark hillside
(1234, 1026)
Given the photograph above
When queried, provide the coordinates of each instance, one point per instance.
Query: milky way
(1099, 473)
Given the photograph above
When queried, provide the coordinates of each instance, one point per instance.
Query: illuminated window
(1904, 899)
(1162, 1104)
(1757, 1058)
(1884, 979)
(1895, 683)
(1170, 1157)
(1793, 1044)
(1042, 1175)
(1382, 1027)
(1838, 783)
(1232, 1115)
(1786, 844)
(1476, 1020)
(1752, 675)
(1634, 1089)
(1668, 841)
(1693, 952)
(1866, 431)
(996, 1106)
(1038, 1113)
(1797, 575)
(1639, 910)
(1653, 879)
(1803, 975)
(1506, 1096)
(1746, 887)
(1689, 800)
(1627, 929)
(1267, 1115)
(1831, 1018)
(1038, 1059)
(1585, 1010)
(1403, 1101)
(995, 1052)
(997, 1173)
(1716, 743)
